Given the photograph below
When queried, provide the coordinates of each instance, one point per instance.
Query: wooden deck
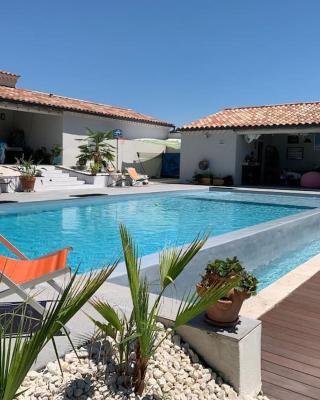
(291, 345)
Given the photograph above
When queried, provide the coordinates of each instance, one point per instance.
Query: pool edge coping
(273, 294)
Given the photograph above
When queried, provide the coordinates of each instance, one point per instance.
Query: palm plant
(97, 149)
(18, 351)
(144, 314)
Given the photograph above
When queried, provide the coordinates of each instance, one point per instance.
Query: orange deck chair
(137, 178)
(22, 273)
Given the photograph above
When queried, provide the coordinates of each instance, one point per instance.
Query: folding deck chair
(22, 273)
(137, 178)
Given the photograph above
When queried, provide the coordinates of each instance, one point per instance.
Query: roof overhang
(263, 130)
(34, 107)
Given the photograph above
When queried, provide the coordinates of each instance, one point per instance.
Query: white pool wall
(254, 246)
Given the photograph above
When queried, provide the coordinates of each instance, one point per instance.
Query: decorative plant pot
(205, 181)
(57, 160)
(225, 312)
(217, 182)
(27, 183)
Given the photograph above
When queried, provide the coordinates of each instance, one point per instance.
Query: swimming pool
(90, 225)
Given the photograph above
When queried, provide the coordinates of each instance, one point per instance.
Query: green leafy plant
(226, 269)
(121, 330)
(143, 329)
(97, 149)
(56, 150)
(248, 283)
(18, 351)
(95, 168)
(27, 167)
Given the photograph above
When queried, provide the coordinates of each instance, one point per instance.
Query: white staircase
(56, 179)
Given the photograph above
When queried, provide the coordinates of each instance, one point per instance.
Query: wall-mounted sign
(117, 133)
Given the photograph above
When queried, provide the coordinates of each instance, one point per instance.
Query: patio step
(57, 179)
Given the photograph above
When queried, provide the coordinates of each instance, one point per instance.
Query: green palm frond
(194, 304)
(132, 263)
(173, 261)
(18, 351)
(108, 313)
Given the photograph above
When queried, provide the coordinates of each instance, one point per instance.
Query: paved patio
(153, 187)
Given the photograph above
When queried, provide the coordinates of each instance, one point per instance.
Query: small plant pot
(217, 182)
(205, 181)
(57, 160)
(27, 183)
(225, 312)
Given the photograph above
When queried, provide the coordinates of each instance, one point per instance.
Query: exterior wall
(74, 128)
(218, 148)
(148, 161)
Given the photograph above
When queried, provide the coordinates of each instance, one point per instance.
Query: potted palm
(97, 149)
(225, 312)
(29, 171)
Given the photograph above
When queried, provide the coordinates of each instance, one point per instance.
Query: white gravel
(174, 373)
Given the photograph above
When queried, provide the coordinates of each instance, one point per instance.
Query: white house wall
(74, 128)
(218, 148)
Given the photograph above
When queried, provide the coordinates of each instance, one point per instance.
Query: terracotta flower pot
(226, 311)
(27, 183)
(205, 180)
(217, 182)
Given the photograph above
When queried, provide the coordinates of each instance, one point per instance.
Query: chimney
(8, 79)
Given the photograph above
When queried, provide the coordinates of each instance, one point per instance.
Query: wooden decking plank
(291, 354)
(296, 348)
(291, 345)
(291, 336)
(291, 374)
(278, 393)
(290, 384)
(276, 319)
(291, 364)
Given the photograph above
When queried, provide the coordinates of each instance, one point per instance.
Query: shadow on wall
(151, 166)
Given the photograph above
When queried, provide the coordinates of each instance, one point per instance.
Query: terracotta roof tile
(65, 103)
(278, 115)
(8, 73)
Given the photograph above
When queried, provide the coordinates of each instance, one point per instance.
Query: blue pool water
(90, 226)
(275, 269)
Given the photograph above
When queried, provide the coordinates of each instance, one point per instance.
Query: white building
(31, 120)
(254, 145)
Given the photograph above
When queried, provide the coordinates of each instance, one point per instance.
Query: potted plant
(95, 168)
(217, 181)
(97, 149)
(56, 152)
(226, 311)
(203, 178)
(29, 171)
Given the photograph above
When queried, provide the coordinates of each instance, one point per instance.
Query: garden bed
(175, 372)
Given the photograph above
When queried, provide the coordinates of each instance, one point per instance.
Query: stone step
(59, 179)
(73, 187)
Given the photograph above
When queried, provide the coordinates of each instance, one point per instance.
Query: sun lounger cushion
(22, 271)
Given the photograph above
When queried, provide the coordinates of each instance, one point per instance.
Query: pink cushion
(310, 180)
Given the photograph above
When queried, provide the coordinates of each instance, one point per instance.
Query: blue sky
(175, 59)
